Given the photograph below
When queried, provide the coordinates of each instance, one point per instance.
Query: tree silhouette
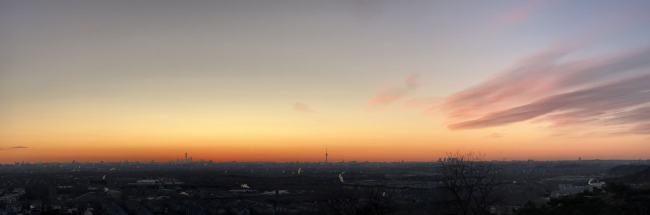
(470, 181)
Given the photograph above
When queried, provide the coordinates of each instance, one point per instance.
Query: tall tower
(326, 154)
(185, 156)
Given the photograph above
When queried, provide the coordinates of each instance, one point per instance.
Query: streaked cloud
(495, 135)
(423, 102)
(528, 78)
(302, 107)
(573, 106)
(388, 96)
(637, 114)
(641, 129)
(15, 148)
(519, 13)
(598, 91)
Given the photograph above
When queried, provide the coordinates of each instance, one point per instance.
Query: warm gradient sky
(277, 80)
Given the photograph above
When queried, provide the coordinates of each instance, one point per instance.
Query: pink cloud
(495, 135)
(527, 79)
(14, 148)
(600, 101)
(391, 95)
(422, 102)
(518, 14)
(549, 87)
(301, 107)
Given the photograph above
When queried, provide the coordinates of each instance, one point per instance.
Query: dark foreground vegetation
(613, 199)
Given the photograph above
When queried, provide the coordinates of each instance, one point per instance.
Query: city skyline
(311, 80)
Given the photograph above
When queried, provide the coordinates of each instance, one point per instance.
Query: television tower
(326, 154)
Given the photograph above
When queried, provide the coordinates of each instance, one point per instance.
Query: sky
(282, 80)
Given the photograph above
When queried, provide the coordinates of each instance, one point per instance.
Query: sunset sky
(281, 80)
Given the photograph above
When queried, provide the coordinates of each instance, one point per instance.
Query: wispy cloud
(592, 104)
(633, 115)
(302, 107)
(495, 135)
(518, 14)
(15, 148)
(422, 102)
(388, 96)
(560, 91)
(641, 129)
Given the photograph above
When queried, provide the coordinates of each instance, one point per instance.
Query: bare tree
(470, 181)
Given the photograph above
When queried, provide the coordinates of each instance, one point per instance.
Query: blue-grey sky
(77, 72)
